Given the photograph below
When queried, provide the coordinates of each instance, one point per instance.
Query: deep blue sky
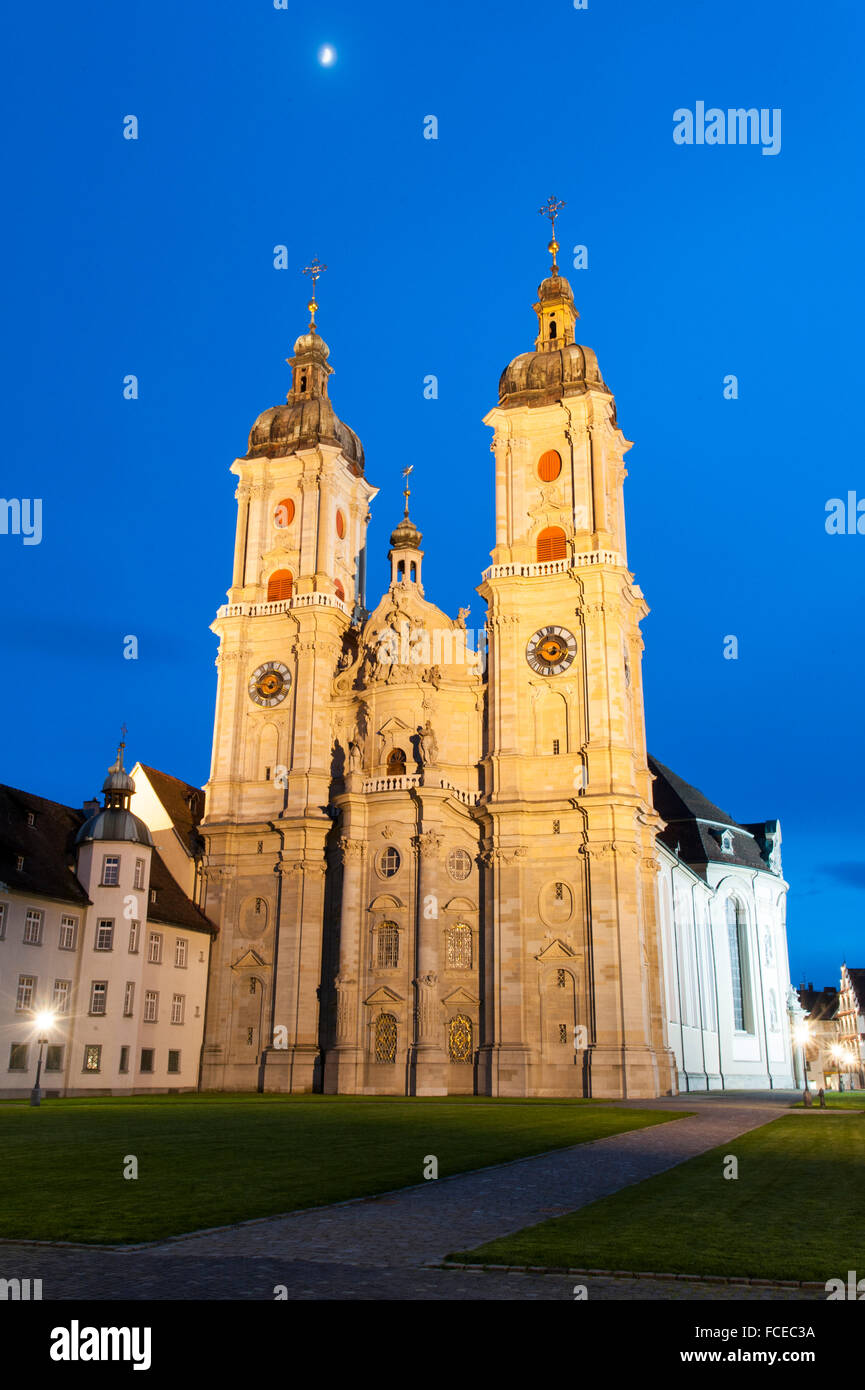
(155, 257)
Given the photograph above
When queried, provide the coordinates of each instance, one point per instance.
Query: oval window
(283, 513)
(549, 466)
(340, 525)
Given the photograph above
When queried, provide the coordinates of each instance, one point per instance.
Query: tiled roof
(695, 825)
(172, 905)
(46, 846)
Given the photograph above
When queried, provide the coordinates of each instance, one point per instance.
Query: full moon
(327, 55)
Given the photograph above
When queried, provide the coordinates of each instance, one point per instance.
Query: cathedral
(445, 865)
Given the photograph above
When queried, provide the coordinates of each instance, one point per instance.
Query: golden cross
(551, 209)
(313, 270)
(406, 490)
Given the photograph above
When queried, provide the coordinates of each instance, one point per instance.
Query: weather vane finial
(406, 490)
(313, 270)
(551, 209)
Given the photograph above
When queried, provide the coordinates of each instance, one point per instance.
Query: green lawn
(796, 1211)
(839, 1100)
(208, 1159)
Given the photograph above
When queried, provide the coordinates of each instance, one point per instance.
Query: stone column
(427, 1076)
(504, 1057)
(298, 976)
(343, 1072)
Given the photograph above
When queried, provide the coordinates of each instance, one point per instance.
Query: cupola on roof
(559, 366)
(115, 821)
(307, 418)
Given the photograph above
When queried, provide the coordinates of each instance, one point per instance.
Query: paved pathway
(379, 1247)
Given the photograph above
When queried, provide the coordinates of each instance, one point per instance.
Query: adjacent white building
(96, 931)
(722, 903)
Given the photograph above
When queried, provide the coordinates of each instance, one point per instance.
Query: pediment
(393, 725)
(460, 995)
(250, 960)
(384, 995)
(384, 902)
(460, 905)
(557, 950)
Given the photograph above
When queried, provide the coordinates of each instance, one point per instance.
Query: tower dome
(115, 821)
(307, 418)
(559, 366)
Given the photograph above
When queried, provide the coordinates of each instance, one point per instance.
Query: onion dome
(406, 536)
(114, 821)
(307, 418)
(559, 366)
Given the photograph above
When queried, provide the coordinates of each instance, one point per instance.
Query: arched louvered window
(339, 590)
(279, 586)
(385, 1038)
(549, 466)
(551, 544)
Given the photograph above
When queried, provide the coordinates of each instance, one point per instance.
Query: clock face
(551, 650)
(270, 683)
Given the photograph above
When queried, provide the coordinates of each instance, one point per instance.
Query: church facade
(441, 866)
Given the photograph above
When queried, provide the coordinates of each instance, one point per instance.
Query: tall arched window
(460, 1039)
(736, 926)
(385, 1038)
(551, 544)
(279, 586)
(387, 955)
(458, 947)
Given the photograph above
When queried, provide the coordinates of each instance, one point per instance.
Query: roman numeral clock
(551, 650)
(269, 684)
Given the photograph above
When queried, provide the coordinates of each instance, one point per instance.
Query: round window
(549, 466)
(283, 513)
(459, 864)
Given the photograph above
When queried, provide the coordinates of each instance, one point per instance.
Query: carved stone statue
(461, 617)
(355, 756)
(427, 745)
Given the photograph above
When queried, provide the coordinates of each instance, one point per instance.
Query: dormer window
(726, 842)
(31, 819)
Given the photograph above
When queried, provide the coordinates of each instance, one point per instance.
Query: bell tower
(573, 1002)
(297, 590)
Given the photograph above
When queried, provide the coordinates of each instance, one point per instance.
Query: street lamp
(43, 1021)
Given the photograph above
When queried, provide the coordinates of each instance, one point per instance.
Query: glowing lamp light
(45, 1020)
(802, 1033)
(327, 55)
